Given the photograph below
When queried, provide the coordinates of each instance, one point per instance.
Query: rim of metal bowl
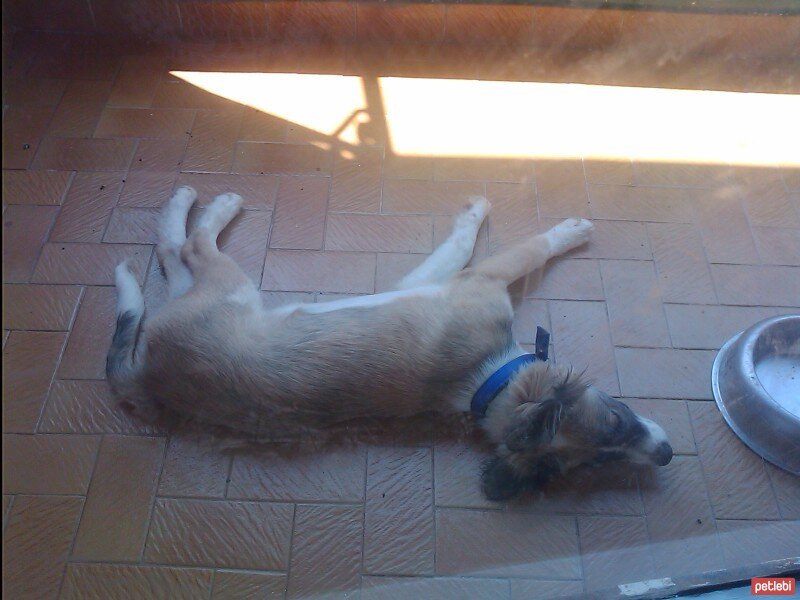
(743, 436)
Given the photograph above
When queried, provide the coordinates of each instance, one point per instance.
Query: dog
(439, 343)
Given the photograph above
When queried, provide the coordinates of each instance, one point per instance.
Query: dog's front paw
(569, 234)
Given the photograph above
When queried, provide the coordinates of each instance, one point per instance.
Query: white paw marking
(184, 195)
(129, 296)
(475, 214)
(227, 203)
(569, 234)
(172, 228)
(220, 212)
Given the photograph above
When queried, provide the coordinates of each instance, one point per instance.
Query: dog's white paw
(220, 212)
(569, 234)
(184, 196)
(475, 213)
(227, 203)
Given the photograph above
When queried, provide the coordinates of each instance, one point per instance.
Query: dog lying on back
(440, 343)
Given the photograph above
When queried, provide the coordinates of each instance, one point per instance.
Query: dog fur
(216, 356)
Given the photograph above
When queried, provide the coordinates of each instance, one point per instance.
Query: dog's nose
(663, 454)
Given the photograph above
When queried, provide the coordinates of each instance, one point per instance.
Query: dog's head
(558, 422)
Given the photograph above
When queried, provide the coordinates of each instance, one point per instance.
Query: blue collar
(496, 383)
(499, 380)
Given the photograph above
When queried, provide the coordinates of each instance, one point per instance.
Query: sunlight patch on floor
(327, 104)
(497, 119)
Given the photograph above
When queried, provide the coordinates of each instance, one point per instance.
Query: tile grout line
(166, 442)
(382, 177)
(327, 206)
(73, 175)
(187, 567)
(380, 212)
(40, 249)
(7, 515)
(175, 566)
(211, 583)
(433, 504)
(113, 208)
(662, 304)
(750, 227)
(617, 378)
(706, 487)
(583, 579)
(60, 357)
(650, 542)
(228, 478)
(474, 577)
(290, 550)
(45, 129)
(363, 570)
(80, 516)
(771, 480)
(268, 241)
(699, 232)
(73, 318)
(657, 281)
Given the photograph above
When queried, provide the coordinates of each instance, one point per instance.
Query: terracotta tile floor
(97, 505)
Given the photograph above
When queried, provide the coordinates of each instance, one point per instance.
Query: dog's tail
(120, 369)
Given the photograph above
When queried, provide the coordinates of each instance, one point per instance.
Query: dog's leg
(454, 254)
(533, 253)
(209, 266)
(172, 237)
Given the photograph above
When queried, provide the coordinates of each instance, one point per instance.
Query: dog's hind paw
(184, 196)
(569, 234)
(227, 203)
(475, 212)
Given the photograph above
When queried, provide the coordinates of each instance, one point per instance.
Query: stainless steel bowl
(756, 382)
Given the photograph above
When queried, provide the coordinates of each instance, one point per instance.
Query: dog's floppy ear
(535, 424)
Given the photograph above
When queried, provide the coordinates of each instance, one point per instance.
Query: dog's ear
(499, 480)
(534, 425)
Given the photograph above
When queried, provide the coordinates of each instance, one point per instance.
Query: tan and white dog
(216, 356)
